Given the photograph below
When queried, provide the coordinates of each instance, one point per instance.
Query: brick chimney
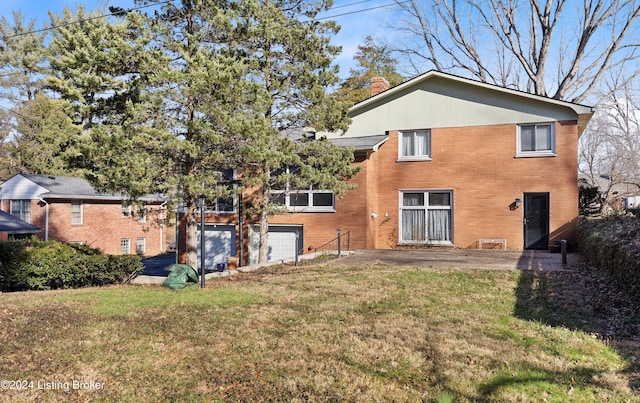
(378, 85)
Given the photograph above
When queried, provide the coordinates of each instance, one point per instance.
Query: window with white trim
(302, 200)
(21, 209)
(226, 205)
(141, 246)
(142, 214)
(126, 210)
(125, 246)
(426, 217)
(535, 140)
(76, 212)
(414, 145)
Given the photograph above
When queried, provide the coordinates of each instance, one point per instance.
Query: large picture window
(414, 145)
(21, 209)
(426, 217)
(536, 140)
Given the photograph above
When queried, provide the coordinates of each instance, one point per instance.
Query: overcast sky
(358, 18)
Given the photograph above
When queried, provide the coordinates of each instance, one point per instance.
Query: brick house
(445, 161)
(70, 210)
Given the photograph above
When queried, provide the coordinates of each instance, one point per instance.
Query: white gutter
(161, 224)
(46, 223)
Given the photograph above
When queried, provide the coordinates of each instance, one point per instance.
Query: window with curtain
(415, 144)
(426, 217)
(536, 140)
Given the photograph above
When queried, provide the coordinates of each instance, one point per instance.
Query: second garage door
(220, 243)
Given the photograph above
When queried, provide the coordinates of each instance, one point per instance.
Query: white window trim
(213, 206)
(310, 208)
(141, 242)
(125, 242)
(534, 154)
(126, 211)
(421, 157)
(81, 204)
(426, 241)
(20, 212)
(142, 218)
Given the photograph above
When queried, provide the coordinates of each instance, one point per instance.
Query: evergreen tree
(290, 66)
(373, 61)
(94, 65)
(45, 138)
(22, 60)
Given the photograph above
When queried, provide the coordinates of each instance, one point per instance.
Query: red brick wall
(477, 164)
(103, 226)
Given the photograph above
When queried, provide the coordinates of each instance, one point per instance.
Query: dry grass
(323, 333)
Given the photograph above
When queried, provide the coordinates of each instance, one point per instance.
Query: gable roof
(63, 185)
(66, 187)
(14, 225)
(441, 98)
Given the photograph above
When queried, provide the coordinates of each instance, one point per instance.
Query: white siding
(21, 188)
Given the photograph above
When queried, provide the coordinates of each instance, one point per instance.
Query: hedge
(612, 244)
(32, 264)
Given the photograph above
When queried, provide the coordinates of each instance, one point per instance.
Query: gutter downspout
(161, 225)
(46, 222)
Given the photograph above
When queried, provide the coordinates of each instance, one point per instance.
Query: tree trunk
(192, 238)
(264, 226)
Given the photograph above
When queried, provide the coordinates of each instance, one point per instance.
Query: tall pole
(202, 242)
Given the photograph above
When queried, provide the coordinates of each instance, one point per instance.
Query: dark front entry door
(536, 220)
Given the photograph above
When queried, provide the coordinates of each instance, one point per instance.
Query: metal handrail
(337, 241)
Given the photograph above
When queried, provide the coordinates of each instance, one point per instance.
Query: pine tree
(290, 66)
(373, 61)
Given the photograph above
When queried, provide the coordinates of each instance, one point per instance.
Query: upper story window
(414, 145)
(305, 200)
(21, 209)
(142, 214)
(76, 212)
(126, 210)
(228, 179)
(536, 140)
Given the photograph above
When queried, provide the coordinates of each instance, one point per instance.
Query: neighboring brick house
(70, 210)
(445, 161)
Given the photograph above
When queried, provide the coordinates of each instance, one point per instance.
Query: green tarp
(181, 276)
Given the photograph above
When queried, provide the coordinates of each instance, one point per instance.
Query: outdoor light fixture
(517, 202)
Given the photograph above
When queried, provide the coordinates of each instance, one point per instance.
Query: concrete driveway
(445, 258)
(462, 258)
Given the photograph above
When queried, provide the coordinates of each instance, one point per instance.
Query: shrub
(613, 244)
(38, 265)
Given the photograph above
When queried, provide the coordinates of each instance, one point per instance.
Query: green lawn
(319, 333)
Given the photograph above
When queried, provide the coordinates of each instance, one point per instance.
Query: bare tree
(610, 147)
(555, 48)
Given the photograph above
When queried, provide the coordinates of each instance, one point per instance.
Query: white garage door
(220, 243)
(281, 245)
(281, 242)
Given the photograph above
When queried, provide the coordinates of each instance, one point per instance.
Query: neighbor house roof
(14, 225)
(367, 143)
(66, 187)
